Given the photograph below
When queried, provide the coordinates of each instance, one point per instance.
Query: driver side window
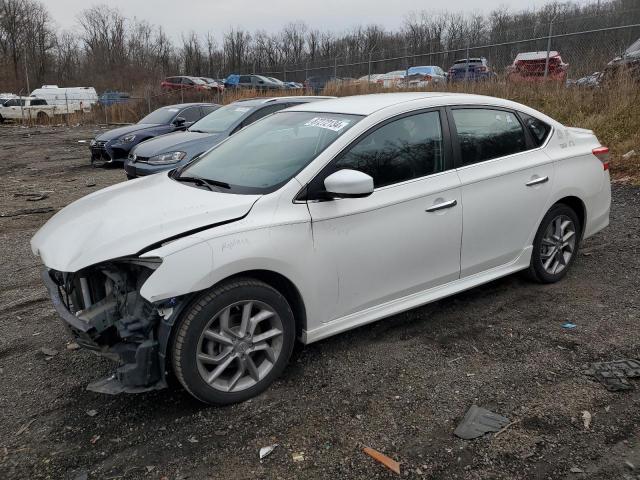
(407, 148)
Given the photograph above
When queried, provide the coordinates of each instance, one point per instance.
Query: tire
(130, 177)
(223, 366)
(42, 117)
(549, 267)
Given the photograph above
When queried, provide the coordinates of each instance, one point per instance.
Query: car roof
(368, 104)
(183, 105)
(257, 101)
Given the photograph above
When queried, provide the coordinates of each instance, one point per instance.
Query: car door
(506, 182)
(403, 238)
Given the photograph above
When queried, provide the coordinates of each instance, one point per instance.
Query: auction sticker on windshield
(242, 109)
(328, 123)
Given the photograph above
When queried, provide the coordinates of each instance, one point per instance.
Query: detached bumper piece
(121, 326)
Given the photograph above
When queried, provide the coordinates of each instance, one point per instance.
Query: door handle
(537, 181)
(442, 206)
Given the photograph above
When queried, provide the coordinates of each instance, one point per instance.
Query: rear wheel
(233, 342)
(42, 116)
(555, 245)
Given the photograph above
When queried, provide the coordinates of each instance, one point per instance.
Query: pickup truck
(26, 108)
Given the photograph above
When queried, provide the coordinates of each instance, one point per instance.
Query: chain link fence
(585, 51)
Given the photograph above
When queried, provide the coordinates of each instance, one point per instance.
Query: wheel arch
(167, 329)
(578, 206)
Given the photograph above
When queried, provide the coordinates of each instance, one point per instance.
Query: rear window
(471, 60)
(485, 134)
(538, 129)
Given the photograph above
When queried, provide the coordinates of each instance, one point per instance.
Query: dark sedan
(176, 149)
(471, 70)
(113, 146)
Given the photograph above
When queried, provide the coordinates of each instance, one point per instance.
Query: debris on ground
(586, 419)
(298, 457)
(27, 211)
(629, 154)
(49, 352)
(614, 375)
(569, 325)
(264, 451)
(388, 462)
(25, 427)
(92, 413)
(479, 421)
(33, 197)
(73, 346)
(94, 439)
(576, 470)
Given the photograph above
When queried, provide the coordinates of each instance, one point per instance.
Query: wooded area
(110, 51)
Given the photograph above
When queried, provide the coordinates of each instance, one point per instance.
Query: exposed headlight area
(166, 158)
(127, 138)
(104, 310)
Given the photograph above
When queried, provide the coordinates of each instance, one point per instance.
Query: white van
(82, 97)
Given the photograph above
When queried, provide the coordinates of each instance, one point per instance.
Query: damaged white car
(317, 219)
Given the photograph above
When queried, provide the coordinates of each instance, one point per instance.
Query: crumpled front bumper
(139, 367)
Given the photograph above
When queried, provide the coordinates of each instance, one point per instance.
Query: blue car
(471, 70)
(111, 98)
(113, 146)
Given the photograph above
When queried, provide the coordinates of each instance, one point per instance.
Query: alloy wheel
(558, 244)
(239, 346)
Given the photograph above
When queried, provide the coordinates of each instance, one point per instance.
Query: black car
(176, 149)
(113, 146)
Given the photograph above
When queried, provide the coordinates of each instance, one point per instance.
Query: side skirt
(414, 300)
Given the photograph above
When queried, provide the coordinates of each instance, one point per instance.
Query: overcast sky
(201, 16)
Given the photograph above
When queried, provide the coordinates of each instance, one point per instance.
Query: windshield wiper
(197, 131)
(210, 184)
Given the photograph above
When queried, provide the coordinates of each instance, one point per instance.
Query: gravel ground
(399, 386)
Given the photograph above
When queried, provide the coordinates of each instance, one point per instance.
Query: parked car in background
(316, 83)
(286, 85)
(177, 149)
(424, 76)
(627, 64)
(373, 78)
(530, 67)
(392, 79)
(113, 146)
(313, 221)
(82, 97)
(112, 98)
(591, 81)
(471, 70)
(30, 108)
(256, 82)
(213, 84)
(184, 83)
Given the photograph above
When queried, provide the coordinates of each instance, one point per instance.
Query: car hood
(190, 142)
(120, 131)
(123, 219)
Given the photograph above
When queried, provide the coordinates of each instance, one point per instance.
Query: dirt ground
(400, 385)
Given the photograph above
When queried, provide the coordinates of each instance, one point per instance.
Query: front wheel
(233, 342)
(555, 245)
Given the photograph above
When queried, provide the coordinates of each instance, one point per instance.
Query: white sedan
(315, 220)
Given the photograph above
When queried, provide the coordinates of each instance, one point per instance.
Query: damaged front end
(102, 307)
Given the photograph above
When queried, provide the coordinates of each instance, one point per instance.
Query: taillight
(603, 155)
(427, 78)
(482, 69)
(451, 70)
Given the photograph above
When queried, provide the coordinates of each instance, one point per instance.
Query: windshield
(267, 154)
(162, 115)
(221, 119)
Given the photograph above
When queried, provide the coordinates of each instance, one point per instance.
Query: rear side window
(263, 112)
(191, 114)
(207, 109)
(410, 147)
(245, 79)
(485, 134)
(538, 129)
(38, 102)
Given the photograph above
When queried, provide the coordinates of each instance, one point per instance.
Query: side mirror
(179, 121)
(348, 184)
